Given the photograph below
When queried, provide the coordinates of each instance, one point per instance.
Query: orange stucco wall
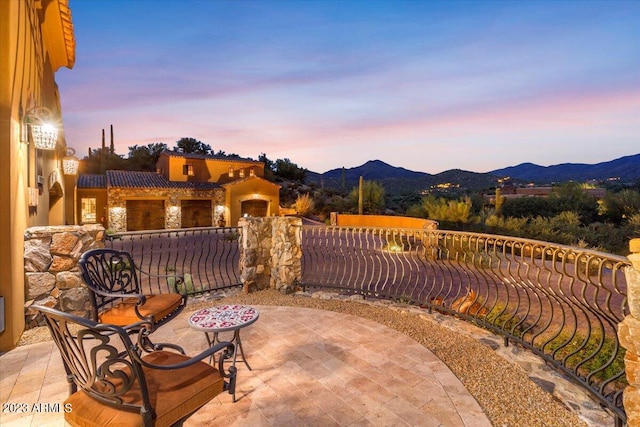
(36, 41)
(251, 189)
(207, 170)
(384, 221)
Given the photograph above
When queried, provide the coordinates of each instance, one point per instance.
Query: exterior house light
(70, 162)
(43, 133)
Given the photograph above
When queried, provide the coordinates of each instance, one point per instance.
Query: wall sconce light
(43, 133)
(70, 162)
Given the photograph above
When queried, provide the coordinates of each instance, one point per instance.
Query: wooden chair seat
(124, 312)
(172, 394)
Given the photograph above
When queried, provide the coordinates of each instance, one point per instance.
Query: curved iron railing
(208, 257)
(562, 303)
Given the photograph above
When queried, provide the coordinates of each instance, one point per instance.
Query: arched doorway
(254, 208)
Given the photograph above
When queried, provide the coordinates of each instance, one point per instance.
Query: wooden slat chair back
(114, 383)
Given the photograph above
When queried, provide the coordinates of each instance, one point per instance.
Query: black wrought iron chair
(113, 383)
(116, 295)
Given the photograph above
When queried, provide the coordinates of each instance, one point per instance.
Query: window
(88, 210)
(230, 172)
(241, 173)
(187, 170)
(252, 172)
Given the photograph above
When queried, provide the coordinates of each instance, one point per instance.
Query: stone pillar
(52, 275)
(117, 218)
(629, 336)
(333, 218)
(270, 253)
(173, 213)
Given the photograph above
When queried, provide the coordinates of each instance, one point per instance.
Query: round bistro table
(224, 318)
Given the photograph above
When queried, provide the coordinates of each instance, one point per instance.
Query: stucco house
(37, 39)
(187, 190)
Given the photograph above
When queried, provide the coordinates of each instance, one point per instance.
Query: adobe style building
(187, 190)
(37, 39)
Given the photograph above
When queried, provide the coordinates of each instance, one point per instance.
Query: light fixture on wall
(43, 133)
(70, 162)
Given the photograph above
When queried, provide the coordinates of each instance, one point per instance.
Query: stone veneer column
(270, 253)
(629, 336)
(52, 275)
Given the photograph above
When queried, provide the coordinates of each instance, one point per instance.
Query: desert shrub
(304, 205)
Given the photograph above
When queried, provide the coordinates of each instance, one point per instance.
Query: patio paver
(310, 368)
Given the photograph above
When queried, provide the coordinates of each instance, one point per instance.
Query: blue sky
(425, 85)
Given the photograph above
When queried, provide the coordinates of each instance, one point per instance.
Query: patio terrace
(321, 367)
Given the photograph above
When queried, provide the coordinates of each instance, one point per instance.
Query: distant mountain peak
(626, 168)
(398, 179)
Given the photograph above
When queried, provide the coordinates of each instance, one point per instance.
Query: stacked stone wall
(629, 336)
(52, 274)
(270, 253)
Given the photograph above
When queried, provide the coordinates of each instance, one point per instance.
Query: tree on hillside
(144, 158)
(618, 207)
(372, 197)
(269, 167)
(282, 170)
(452, 211)
(98, 161)
(572, 197)
(289, 171)
(192, 146)
(222, 153)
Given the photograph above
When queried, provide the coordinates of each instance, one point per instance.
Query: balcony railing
(561, 302)
(207, 257)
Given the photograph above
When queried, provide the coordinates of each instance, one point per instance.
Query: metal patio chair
(117, 297)
(113, 383)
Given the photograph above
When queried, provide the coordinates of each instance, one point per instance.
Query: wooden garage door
(145, 215)
(196, 213)
(254, 208)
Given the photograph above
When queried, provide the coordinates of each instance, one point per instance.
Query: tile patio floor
(310, 368)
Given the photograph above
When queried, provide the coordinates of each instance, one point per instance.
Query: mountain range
(627, 169)
(400, 180)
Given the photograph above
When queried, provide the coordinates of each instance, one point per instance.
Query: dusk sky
(424, 85)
